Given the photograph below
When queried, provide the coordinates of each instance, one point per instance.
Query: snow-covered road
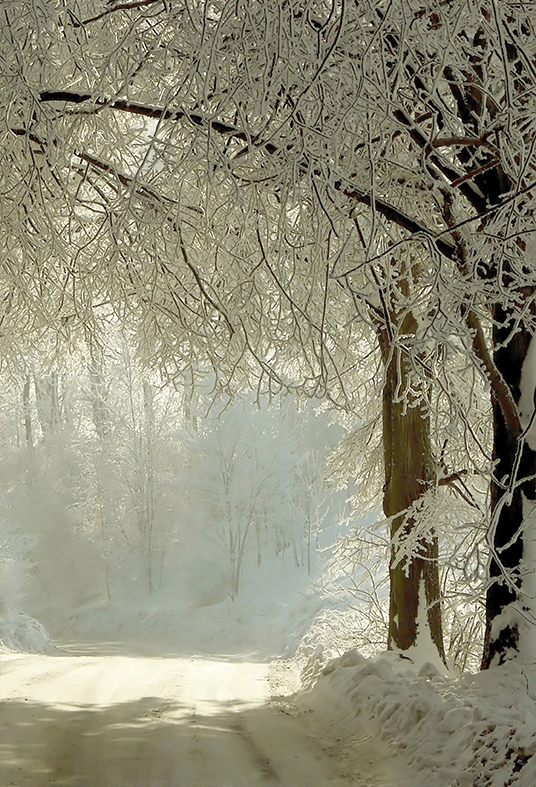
(107, 716)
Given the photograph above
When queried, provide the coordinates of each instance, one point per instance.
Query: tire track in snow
(263, 764)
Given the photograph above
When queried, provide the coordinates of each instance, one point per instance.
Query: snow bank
(466, 731)
(21, 632)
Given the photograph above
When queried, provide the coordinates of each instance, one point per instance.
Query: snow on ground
(454, 731)
(268, 619)
(469, 730)
(122, 717)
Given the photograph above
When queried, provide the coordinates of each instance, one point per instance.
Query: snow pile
(466, 731)
(272, 630)
(21, 632)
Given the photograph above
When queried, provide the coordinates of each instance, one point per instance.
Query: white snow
(464, 731)
(389, 719)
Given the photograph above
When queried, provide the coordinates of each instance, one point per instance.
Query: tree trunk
(48, 403)
(514, 482)
(99, 403)
(148, 482)
(27, 413)
(408, 473)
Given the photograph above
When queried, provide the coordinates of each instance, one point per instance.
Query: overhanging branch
(135, 108)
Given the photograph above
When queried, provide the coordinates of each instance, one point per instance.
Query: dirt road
(106, 716)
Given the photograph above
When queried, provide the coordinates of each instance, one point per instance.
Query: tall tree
(409, 472)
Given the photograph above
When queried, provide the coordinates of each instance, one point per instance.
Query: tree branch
(395, 215)
(473, 142)
(118, 7)
(134, 108)
(500, 389)
(474, 172)
(64, 95)
(451, 478)
(158, 200)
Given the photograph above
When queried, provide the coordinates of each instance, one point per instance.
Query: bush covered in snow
(18, 631)
(21, 632)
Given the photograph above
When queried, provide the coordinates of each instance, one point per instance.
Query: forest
(268, 301)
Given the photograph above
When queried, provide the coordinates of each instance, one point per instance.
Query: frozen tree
(15, 566)
(256, 182)
(102, 490)
(296, 243)
(132, 457)
(242, 478)
(309, 506)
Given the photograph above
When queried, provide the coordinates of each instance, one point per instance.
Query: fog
(130, 506)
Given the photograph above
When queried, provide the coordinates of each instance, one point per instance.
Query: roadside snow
(466, 731)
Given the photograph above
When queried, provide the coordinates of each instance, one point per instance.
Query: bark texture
(514, 478)
(408, 473)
